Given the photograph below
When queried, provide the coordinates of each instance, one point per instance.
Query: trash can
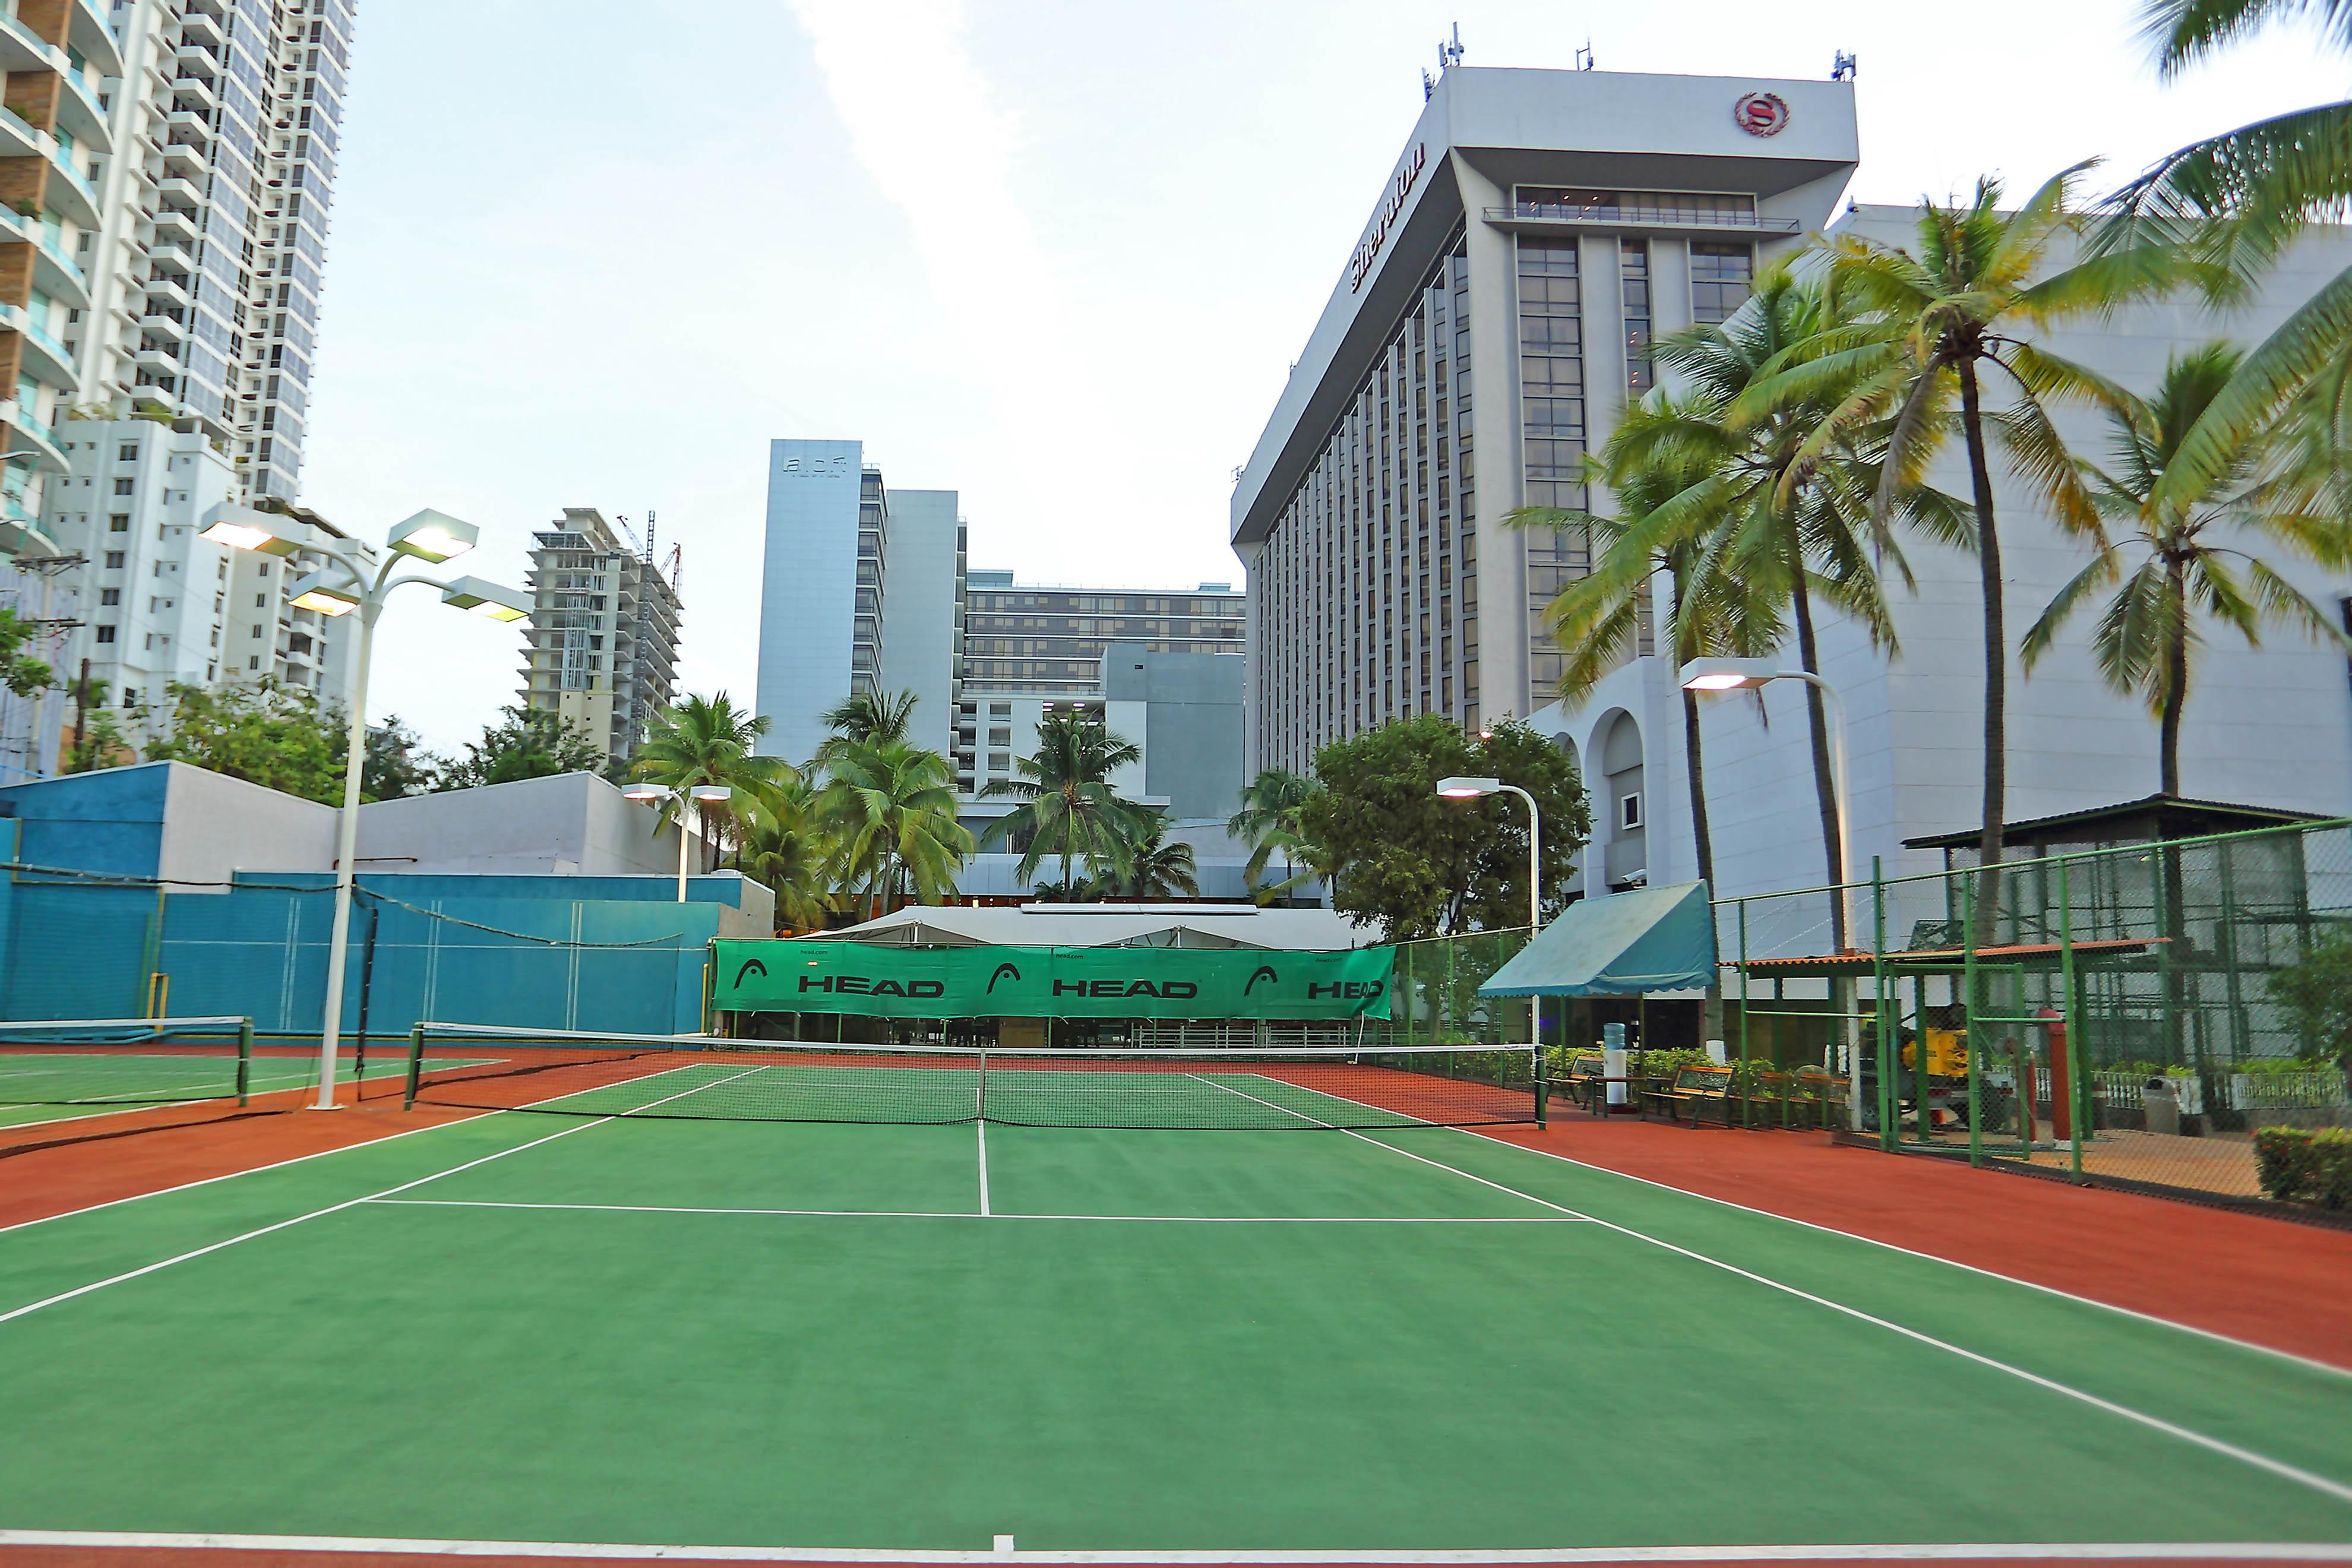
(2161, 1106)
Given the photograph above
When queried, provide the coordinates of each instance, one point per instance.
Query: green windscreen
(1050, 981)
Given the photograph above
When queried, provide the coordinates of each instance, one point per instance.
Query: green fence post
(1968, 1019)
(1747, 1098)
(2068, 1011)
(1890, 1060)
(415, 1064)
(244, 1062)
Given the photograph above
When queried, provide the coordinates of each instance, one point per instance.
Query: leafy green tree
(708, 740)
(1156, 868)
(2316, 991)
(1966, 308)
(527, 743)
(20, 672)
(891, 810)
(100, 743)
(396, 762)
(1269, 823)
(280, 737)
(2179, 554)
(782, 844)
(1068, 804)
(1424, 865)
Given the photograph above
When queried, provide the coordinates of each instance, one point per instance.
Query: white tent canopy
(1112, 925)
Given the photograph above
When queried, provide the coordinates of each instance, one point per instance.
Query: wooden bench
(1696, 1088)
(1586, 1088)
(1823, 1095)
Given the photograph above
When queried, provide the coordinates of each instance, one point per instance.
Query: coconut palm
(1269, 823)
(1663, 448)
(2233, 203)
(891, 809)
(2176, 555)
(1156, 868)
(1067, 804)
(708, 740)
(866, 718)
(1935, 327)
(784, 846)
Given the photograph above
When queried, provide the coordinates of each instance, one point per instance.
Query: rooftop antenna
(1585, 57)
(1428, 85)
(1843, 67)
(1450, 53)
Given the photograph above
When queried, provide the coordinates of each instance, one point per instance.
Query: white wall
(215, 827)
(573, 823)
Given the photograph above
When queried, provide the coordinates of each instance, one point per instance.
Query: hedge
(2306, 1166)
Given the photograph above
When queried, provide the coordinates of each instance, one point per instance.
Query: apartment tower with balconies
(601, 648)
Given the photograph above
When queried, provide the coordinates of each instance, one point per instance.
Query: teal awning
(1659, 939)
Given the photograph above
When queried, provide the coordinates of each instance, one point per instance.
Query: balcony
(26, 429)
(47, 359)
(188, 89)
(173, 257)
(195, 128)
(197, 26)
(89, 30)
(78, 113)
(160, 325)
(182, 191)
(1609, 217)
(161, 362)
(164, 289)
(184, 160)
(170, 223)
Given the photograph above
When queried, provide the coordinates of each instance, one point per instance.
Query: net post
(979, 1089)
(1969, 979)
(1543, 1074)
(415, 1064)
(244, 1062)
(2076, 1086)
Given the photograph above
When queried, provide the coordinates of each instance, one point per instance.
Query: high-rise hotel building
(1538, 229)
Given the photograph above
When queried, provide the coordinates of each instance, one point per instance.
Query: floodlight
(1728, 674)
(331, 590)
(644, 792)
(713, 792)
(1461, 788)
(433, 536)
(485, 597)
(240, 528)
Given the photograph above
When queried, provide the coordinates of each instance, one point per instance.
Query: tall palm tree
(2231, 203)
(1768, 512)
(1067, 804)
(866, 718)
(1664, 447)
(2178, 554)
(1156, 868)
(708, 740)
(1269, 823)
(1938, 325)
(891, 808)
(784, 846)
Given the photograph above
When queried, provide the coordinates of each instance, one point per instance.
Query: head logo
(1263, 972)
(750, 965)
(1003, 972)
(1761, 113)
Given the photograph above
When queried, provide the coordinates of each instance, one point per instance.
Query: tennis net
(125, 1061)
(705, 1077)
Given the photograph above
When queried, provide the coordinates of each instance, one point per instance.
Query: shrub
(2299, 1164)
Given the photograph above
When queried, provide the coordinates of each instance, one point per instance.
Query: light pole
(682, 795)
(1745, 674)
(353, 581)
(1461, 788)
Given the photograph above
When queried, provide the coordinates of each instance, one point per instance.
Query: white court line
(61, 1296)
(2002, 1551)
(981, 1124)
(955, 1213)
(2306, 1362)
(2338, 1489)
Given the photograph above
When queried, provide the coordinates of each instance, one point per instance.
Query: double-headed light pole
(351, 580)
(1459, 787)
(689, 794)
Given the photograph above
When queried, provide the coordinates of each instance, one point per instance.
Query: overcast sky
(1057, 255)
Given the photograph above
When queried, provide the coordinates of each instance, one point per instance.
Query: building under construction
(602, 648)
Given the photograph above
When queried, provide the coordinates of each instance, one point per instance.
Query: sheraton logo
(1761, 113)
(1408, 174)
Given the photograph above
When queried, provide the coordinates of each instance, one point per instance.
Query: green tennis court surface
(732, 1333)
(75, 1084)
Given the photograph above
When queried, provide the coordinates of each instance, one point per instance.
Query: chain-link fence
(2168, 1015)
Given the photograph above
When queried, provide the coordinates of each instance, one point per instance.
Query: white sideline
(2306, 1362)
(1989, 1551)
(32, 1307)
(999, 1214)
(2324, 1485)
(981, 1125)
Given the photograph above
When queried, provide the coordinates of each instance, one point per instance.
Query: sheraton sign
(1408, 174)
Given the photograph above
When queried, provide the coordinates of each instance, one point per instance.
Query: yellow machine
(1946, 1058)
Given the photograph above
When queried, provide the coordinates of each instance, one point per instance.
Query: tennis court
(77, 1070)
(1300, 1321)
